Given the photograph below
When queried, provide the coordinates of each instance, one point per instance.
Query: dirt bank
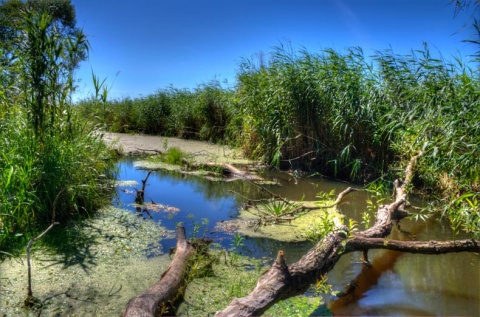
(131, 144)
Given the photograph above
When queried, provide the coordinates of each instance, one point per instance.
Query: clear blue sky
(142, 46)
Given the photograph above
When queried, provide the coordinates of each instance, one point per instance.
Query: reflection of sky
(418, 285)
(192, 196)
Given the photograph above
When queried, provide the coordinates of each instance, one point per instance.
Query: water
(396, 284)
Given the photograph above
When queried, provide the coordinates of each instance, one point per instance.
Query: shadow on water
(72, 247)
(394, 284)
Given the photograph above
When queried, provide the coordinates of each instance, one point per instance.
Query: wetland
(122, 250)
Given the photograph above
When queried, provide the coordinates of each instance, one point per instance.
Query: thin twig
(29, 245)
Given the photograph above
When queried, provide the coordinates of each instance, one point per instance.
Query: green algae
(294, 230)
(204, 296)
(123, 260)
(207, 295)
(117, 256)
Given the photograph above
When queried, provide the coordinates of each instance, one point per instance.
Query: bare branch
(421, 247)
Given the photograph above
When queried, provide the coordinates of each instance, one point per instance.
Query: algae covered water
(403, 284)
(121, 251)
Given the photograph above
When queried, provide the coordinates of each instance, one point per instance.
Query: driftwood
(282, 281)
(157, 299)
(227, 170)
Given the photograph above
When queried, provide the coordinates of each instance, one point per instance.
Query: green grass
(54, 167)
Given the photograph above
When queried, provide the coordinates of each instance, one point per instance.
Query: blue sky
(142, 46)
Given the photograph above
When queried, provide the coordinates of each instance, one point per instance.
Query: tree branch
(276, 285)
(420, 247)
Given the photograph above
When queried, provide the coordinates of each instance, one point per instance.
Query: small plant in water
(319, 230)
(277, 208)
(322, 287)
(366, 218)
(352, 226)
(236, 244)
(322, 196)
(174, 156)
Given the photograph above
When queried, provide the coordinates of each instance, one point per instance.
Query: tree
(41, 43)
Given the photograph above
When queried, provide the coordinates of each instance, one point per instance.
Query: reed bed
(340, 114)
(53, 165)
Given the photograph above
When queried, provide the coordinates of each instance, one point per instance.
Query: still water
(395, 285)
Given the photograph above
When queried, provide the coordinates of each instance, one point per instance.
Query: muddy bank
(132, 144)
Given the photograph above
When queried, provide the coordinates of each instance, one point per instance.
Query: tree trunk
(282, 281)
(160, 297)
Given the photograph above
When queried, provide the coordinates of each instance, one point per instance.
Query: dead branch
(275, 196)
(161, 296)
(30, 300)
(149, 150)
(282, 281)
(340, 197)
(421, 247)
(288, 216)
(227, 169)
(140, 197)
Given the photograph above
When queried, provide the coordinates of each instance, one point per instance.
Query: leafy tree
(41, 44)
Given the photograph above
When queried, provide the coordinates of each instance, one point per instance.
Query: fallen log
(227, 169)
(161, 296)
(282, 281)
(420, 247)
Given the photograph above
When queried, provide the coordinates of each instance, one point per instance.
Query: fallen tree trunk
(420, 247)
(156, 300)
(282, 281)
(227, 169)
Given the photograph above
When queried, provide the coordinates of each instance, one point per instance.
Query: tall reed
(203, 113)
(46, 148)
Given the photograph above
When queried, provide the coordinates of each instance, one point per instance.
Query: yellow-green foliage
(298, 229)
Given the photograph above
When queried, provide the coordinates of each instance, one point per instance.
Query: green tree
(41, 43)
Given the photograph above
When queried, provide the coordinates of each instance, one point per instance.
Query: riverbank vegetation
(340, 114)
(49, 154)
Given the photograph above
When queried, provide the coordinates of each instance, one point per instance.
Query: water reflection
(398, 284)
